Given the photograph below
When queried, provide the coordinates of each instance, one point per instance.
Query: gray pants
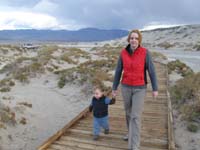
(133, 104)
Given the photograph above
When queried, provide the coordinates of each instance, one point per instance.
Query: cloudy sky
(105, 14)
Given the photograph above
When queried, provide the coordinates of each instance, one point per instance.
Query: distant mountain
(82, 35)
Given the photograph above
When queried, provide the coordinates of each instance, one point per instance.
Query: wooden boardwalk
(156, 132)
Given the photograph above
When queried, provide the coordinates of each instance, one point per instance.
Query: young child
(99, 105)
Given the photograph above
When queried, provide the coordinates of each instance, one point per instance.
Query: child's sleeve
(109, 101)
(91, 107)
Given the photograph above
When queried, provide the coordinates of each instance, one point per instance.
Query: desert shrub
(8, 68)
(111, 53)
(192, 127)
(185, 35)
(3, 50)
(21, 59)
(165, 45)
(22, 74)
(23, 121)
(197, 47)
(25, 104)
(94, 72)
(47, 50)
(22, 77)
(187, 88)
(4, 82)
(107, 45)
(5, 89)
(186, 97)
(5, 85)
(50, 69)
(45, 54)
(62, 81)
(11, 67)
(11, 83)
(93, 48)
(158, 55)
(76, 53)
(36, 67)
(179, 67)
(6, 115)
(67, 58)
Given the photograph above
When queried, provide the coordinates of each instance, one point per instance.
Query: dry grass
(25, 104)
(6, 116)
(165, 45)
(94, 72)
(179, 67)
(186, 98)
(158, 55)
(197, 46)
(6, 84)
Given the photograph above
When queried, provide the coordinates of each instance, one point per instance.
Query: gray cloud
(125, 14)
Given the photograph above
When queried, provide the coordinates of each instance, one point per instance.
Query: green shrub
(192, 127)
(62, 82)
(5, 89)
(6, 115)
(185, 97)
(196, 47)
(67, 58)
(179, 67)
(11, 83)
(21, 76)
(94, 72)
(158, 55)
(165, 45)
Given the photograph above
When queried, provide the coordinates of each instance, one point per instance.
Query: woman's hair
(139, 35)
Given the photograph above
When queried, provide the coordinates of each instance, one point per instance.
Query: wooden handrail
(171, 138)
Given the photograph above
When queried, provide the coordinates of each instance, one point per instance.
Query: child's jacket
(100, 106)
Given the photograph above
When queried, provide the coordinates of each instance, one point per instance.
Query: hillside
(175, 38)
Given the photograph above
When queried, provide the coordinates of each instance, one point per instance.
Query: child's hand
(113, 100)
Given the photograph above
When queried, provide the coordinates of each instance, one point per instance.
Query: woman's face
(134, 40)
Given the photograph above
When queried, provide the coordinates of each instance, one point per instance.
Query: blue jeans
(98, 123)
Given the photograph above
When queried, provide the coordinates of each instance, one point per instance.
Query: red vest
(133, 67)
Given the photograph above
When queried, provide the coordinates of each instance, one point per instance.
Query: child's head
(98, 92)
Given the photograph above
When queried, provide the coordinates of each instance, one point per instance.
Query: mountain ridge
(81, 35)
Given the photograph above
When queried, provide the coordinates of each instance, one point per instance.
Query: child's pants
(98, 123)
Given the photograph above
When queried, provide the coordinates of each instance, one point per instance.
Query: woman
(133, 61)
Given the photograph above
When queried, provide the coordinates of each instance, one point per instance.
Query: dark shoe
(125, 138)
(106, 131)
(95, 137)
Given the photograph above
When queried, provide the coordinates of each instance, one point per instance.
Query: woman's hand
(155, 94)
(114, 93)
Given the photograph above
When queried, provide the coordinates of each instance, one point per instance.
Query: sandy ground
(51, 109)
(184, 139)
